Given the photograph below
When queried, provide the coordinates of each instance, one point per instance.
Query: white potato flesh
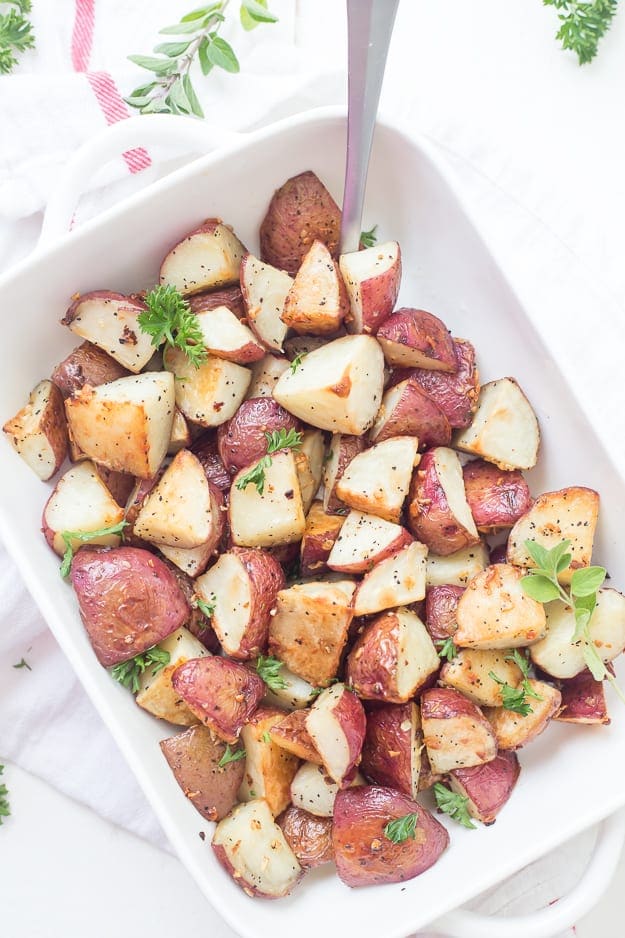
(265, 290)
(456, 569)
(469, 672)
(265, 374)
(207, 258)
(110, 321)
(313, 790)
(316, 301)
(275, 517)
(81, 503)
(417, 658)
(179, 511)
(38, 432)
(156, 692)
(449, 475)
(226, 337)
(337, 387)
(125, 424)
(375, 270)
(191, 561)
(229, 581)
(513, 730)
(306, 480)
(328, 734)
(256, 850)
(269, 768)
(397, 581)
(504, 429)
(364, 540)
(208, 395)
(458, 742)
(180, 435)
(377, 480)
(560, 656)
(295, 695)
(314, 449)
(495, 612)
(568, 514)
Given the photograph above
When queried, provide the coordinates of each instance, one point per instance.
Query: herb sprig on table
(16, 33)
(583, 24)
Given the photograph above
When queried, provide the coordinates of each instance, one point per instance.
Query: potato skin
(266, 579)
(129, 601)
(497, 498)
(583, 700)
(291, 734)
(308, 836)
(300, 212)
(226, 296)
(197, 623)
(456, 732)
(241, 440)
(430, 517)
(221, 693)
(408, 336)
(347, 447)
(193, 757)
(414, 414)
(387, 750)
(206, 450)
(488, 786)
(363, 854)
(441, 603)
(321, 532)
(86, 364)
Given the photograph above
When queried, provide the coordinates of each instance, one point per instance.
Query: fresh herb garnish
(231, 755)
(266, 737)
(269, 669)
(5, 810)
(169, 319)
(402, 828)
(84, 537)
(171, 91)
(515, 698)
(128, 672)
(16, 33)
(276, 440)
(369, 238)
(297, 361)
(583, 25)
(208, 608)
(23, 664)
(446, 648)
(454, 805)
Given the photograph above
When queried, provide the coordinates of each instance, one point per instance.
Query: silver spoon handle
(369, 29)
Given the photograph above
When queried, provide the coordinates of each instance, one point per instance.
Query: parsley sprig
(583, 24)
(84, 537)
(16, 33)
(369, 238)
(169, 319)
(402, 828)
(207, 607)
(197, 39)
(269, 669)
(297, 361)
(515, 698)
(231, 755)
(447, 648)
(276, 440)
(5, 810)
(129, 672)
(23, 663)
(454, 805)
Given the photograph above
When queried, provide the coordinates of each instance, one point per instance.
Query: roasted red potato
(391, 753)
(265, 374)
(456, 394)
(156, 694)
(456, 732)
(343, 448)
(504, 429)
(372, 278)
(269, 768)
(242, 587)
(86, 364)
(197, 623)
(80, 502)
(488, 787)
(317, 302)
(211, 393)
(498, 554)
(438, 509)
(225, 296)
(227, 337)
(308, 836)
(129, 601)
(497, 498)
(119, 484)
(242, 440)
(495, 612)
(321, 532)
(265, 289)
(392, 658)
(206, 258)
(365, 540)
(194, 757)
(441, 603)
(513, 730)
(407, 410)
(470, 673)
(111, 321)
(456, 569)
(336, 724)
(414, 338)
(314, 791)
(583, 701)
(38, 432)
(206, 450)
(291, 734)
(399, 580)
(377, 480)
(364, 853)
(221, 693)
(300, 212)
(272, 514)
(253, 850)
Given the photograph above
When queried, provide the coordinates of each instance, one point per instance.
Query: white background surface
(538, 145)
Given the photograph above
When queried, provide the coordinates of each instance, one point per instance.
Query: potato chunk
(469, 672)
(208, 395)
(495, 612)
(269, 768)
(504, 429)
(265, 290)
(156, 693)
(439, 512)
(456, 569)
(456, 732)
(396, 581)
(208, 257)
(111, 321)
(317, 302)
(513, 730)
(377, 480)
(372, 278)
(38, 432)
(80, 502)
(272, 516)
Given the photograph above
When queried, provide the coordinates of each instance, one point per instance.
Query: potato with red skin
(488, 787)
(300, 212)
(498, 554)
(317, 302)
(38, 432)
(269, 768)
(291, 734)
(342, 449)
(365, 540)
(86, 364)
(455, 394)
(137, 497)
(456, 732)
(583, 701)
(206, 449)
(495, 612)
(308, 836)
(512, 730)
(441, 603)
(406, 410)
(391, 753)
(439, 514)
(226, 296)
(128, 599)
(321, 532)
(119, 484)
(414, 338)
(372, 279)
(242, 441)
(497, 498)
(221, 693)
(207, 257)
(225, 336)
(194, 757)
(364, 855)
(80, 502)
(111, 321)
(336, 724)
(197, 623)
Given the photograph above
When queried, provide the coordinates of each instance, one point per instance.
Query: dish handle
(146, 130)
(562, 914)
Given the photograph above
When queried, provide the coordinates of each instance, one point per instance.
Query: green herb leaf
(269, 669)
(23, 664)
(196, 107)
(201, 12)
(84, 537)
(517, 657)
(128, 672)
(538, 587)
(231, 755)
(160, 66)
(208, 608)
(255, 12)
(583, 24)
(454, 805)
(512, 698)
(169, 319)
(172, 49)
(266, 737)
(5, 810)
(447, 648)
(205, 64)
(255, 475)
(402, 828)
(297, 361)
(16, 35)
(283, 439)
(586, 581)
(221, 54)
(369, 238)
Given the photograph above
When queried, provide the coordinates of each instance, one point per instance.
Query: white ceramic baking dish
(448, 269)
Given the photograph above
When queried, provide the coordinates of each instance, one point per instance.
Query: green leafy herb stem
(84, 537)
(128, 672)
(447, 648)
(276, 440)
(583, 24)
(369, 238)
(16, 33)
(23, 664)
(169, 319)
(269, 669)
(454, 805)
(297, 361)
(5, 810)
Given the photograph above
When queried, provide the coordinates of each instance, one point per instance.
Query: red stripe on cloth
(82, 34)
(114, 110)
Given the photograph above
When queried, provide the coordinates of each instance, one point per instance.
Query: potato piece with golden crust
(206, 258)
(111, 321)
(194, 757)
(336, 723)
(86, 364)
(38, 432)
(495, 612)
(300, 212)
(227, 337)
(372, 278)
(456, 394)
(365, 540)
(270, 517)
(513, 730)
(414, 338)
(438, 509)
(504, 429)
(488, 787)
(208, 395)
(309, 837)
(321, 532)
(180, 434)
(568, 514)
(156, 693)
(310, 628)
(391, 753)
(399, 580)
(456, 732)
(81, 503)
(309, 464)
(469, 672)
(377, 480)
(291, 734)
(269, 768)
(317, 302)
(265, 289)
(221, 693)
(407, 410)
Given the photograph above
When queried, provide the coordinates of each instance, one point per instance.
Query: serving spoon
(369, 30)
